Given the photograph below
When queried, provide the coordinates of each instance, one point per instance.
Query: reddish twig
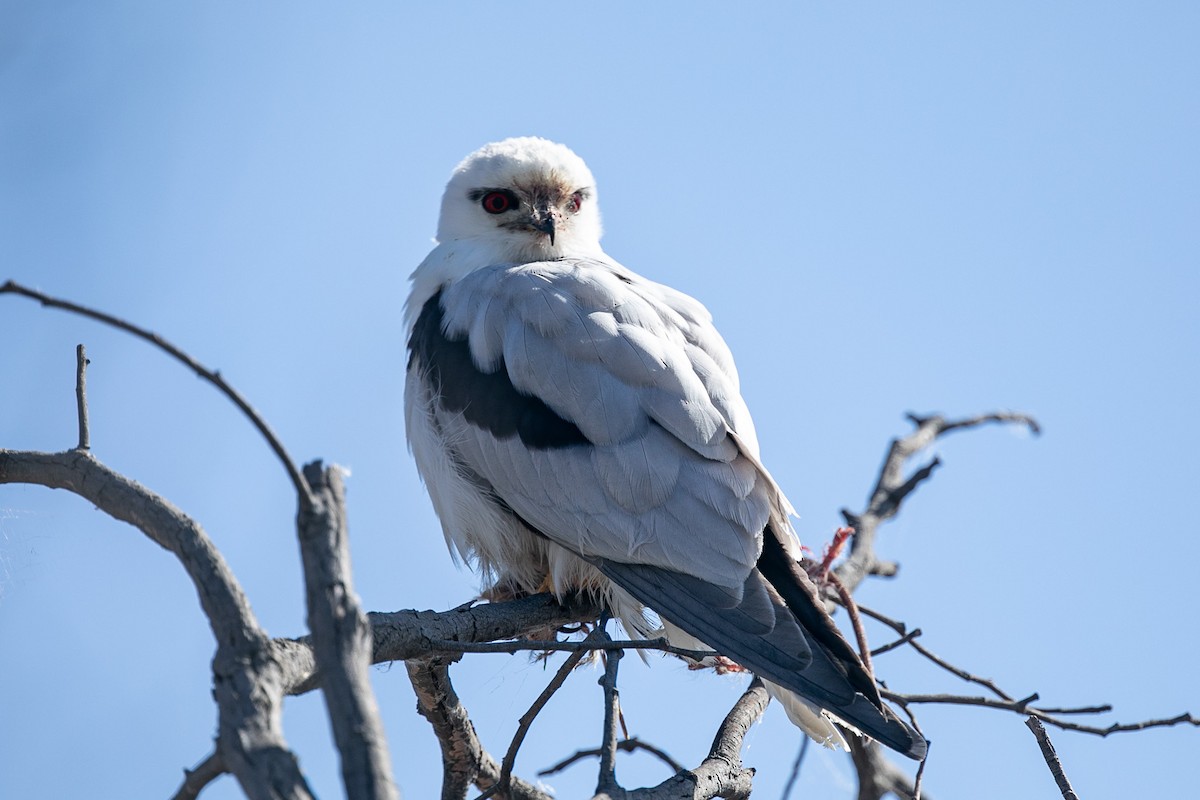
(851, 607)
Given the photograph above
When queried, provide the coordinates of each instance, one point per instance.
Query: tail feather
(769, 638)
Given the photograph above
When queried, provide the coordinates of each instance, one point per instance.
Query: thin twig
(903, 640)
(81, 362)
(919, 777)
(249, 732)
(851, 607)
(526, 720)
(901, 628)
(630, 745)
(1101, 709)
(1022, 707)
(1052, 760)
(212, 376)
(1004, 417)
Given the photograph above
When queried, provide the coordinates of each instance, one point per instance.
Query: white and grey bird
(580, 427)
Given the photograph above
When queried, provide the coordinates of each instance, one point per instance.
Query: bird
(580, 428)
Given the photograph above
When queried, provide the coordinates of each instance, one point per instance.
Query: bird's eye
(498, 202)
(576, 202)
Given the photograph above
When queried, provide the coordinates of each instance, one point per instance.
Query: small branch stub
(81, 362)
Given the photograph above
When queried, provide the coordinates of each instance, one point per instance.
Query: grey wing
(585, 406)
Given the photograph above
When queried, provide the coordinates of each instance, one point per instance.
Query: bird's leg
(505, 589)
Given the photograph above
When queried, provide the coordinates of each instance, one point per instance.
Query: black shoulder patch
(486, 399)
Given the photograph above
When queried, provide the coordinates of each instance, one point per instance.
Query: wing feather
(655, 471)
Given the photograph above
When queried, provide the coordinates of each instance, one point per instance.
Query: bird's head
(529, 198)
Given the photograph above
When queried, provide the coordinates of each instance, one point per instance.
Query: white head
(529, 198)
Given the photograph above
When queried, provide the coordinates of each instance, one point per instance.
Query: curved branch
(212, 376)
(247, 678)
(630, 745)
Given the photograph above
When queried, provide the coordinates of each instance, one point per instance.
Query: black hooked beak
(544, 220)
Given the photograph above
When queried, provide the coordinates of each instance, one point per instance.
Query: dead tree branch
(1023, 707)
(607, 781)
(248, 681)
(81, 363)
(721, 774)
(464, 760)
(1052, 760)
(526, 721)
(252, 673)
(341, 638)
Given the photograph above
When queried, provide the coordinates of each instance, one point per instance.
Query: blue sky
(927, 207)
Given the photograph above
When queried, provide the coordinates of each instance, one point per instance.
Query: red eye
(576, 202)
(498, 202)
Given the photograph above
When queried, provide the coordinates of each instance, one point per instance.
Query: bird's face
(527, 199)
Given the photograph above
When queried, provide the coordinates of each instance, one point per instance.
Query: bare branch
(860, 635)
(341, 638)
(81, 363)
(1022, 707)
(464, 761)
(1052, 760)
(527, 719)
(721, 774)
(404, 635)
(903, 640)
(607, 782)
(891, 488)
(212, 376)
(247, 679)
(1002, 417)
(901, 628)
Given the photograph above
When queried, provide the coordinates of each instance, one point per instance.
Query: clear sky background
(887, 207)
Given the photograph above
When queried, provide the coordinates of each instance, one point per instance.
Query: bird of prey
(580, 428)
